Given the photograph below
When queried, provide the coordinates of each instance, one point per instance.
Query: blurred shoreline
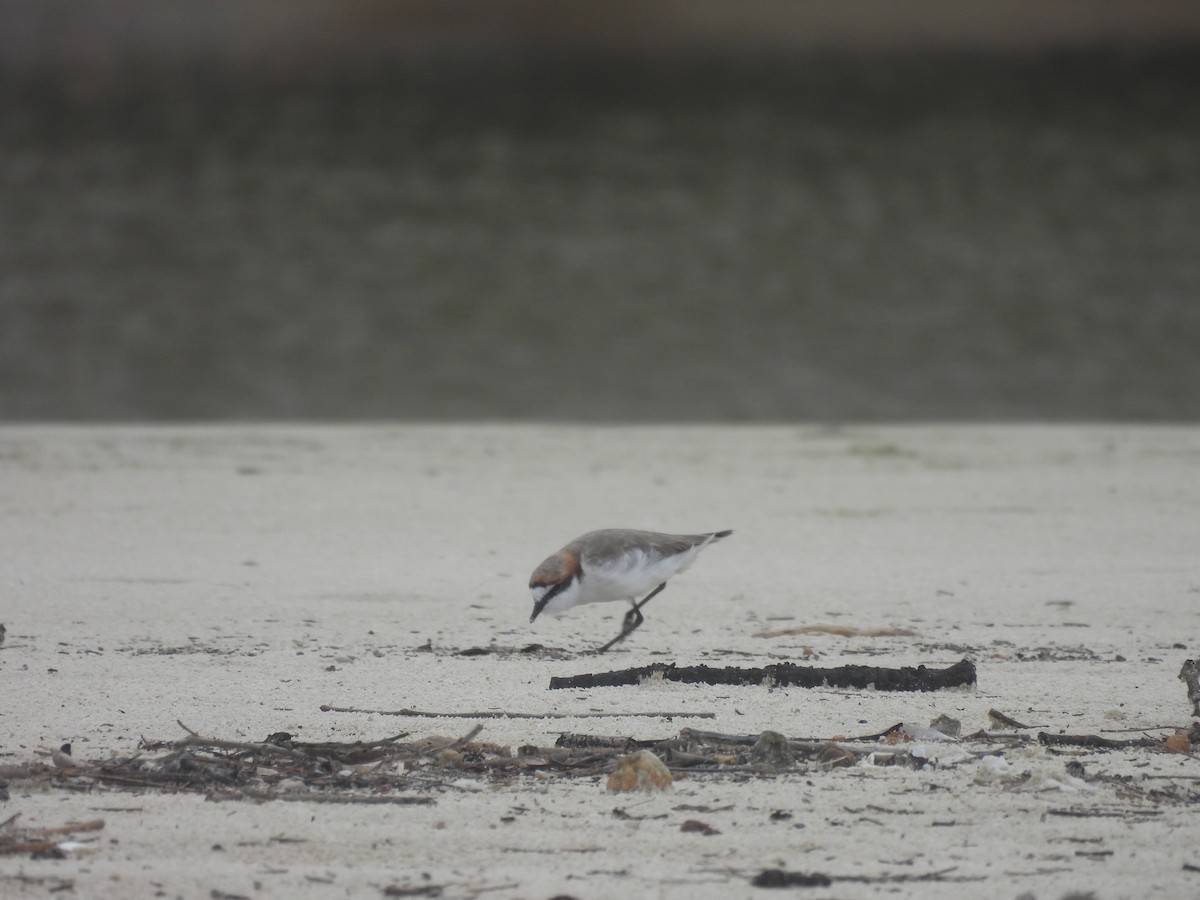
(557, 235)
(299, 33)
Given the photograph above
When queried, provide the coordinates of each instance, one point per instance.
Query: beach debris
(1179, 742)
(50, 842)
(625, 816)
(772, 750)
(403, 771)
(948, 726)
(779, 878)
(1189, 674)
(999, 719)
(835, 756)
(1047, 780)
(994, 768)
(639, 771)
(842, 630)
(907, 678)
(415, 890)
(698, 827)
(1094, 741)
(912, 731)
(938, 754)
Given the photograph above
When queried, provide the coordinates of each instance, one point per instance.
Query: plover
(614, 564)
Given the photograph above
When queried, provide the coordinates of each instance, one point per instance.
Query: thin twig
(196, 740)
(465, 739)
(1008, 720)
(315, 797)
(841, 630)
(503, 714)
(69, 828)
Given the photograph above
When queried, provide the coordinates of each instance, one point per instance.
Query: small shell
(640, 771)
(1179, 743)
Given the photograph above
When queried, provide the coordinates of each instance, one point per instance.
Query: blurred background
(651, 211)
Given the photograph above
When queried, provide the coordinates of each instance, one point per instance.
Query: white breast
(630, 576)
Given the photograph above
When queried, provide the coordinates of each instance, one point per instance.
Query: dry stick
(1007, 720)
(465, 739)
(1141, 728)
(30, 842)
(301, 797)
(195, 740)
(1094, 740)
(26, 847)
(388, 743)
(751, 739)
(815, 745)
(297, 750)
(841, 630)
(69, 828)
(500, 714)
(907, 678)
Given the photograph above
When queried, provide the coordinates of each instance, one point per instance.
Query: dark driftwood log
(786, 674)
(1093, 740)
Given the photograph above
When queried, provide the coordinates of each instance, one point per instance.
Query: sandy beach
(235, 579)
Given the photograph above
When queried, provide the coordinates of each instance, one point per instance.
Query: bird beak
(538, 606)
(540, 603)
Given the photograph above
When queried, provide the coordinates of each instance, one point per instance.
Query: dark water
(821, 237)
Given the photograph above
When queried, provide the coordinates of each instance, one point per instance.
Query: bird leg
(633, 619)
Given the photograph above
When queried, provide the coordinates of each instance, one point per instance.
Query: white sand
(236, 578)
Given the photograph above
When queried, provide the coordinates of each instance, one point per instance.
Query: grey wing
(611, 544)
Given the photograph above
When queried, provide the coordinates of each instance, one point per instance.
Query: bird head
(555, 584)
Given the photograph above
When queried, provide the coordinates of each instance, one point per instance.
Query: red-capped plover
(614, 564)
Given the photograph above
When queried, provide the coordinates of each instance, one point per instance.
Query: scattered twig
(40, 840)
(317, 797)
(195, 740)
(747, 740)
(1008, 721)
(698, 750)
(69, 828)
(465, 739)
(1140, 728)
(842, 630)
(785, 674)
(503, 714)
(283, 745)
(778, 878)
